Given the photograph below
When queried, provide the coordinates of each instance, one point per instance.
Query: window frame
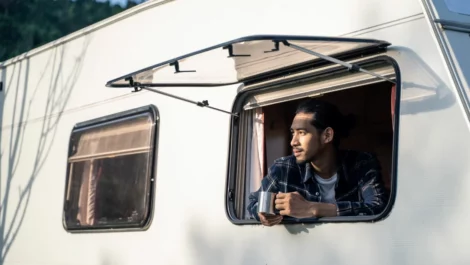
(151, 181)
(235, 130)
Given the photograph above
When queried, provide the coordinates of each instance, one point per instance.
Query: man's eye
(298, 132)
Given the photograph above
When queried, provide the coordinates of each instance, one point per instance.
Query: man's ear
(328, 135)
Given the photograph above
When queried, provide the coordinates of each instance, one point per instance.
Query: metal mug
(266, 203)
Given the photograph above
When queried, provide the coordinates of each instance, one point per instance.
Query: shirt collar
(309, 171)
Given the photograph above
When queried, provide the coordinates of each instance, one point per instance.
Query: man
(319, 180)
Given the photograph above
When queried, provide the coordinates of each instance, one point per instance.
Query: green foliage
(27, 24)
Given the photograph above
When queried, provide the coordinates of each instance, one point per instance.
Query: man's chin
(300, 160)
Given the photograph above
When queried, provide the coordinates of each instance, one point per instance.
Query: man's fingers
(284, 212)
(281, 195)
(274, 220)
(278, 219)
(269, 220)
(273, 217)
(267, 216)
(280, 206)
(262, 217)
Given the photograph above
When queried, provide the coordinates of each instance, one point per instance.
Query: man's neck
(326, 166)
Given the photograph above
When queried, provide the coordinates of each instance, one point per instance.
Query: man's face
(307, 142)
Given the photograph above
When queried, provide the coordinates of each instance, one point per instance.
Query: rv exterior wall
(45, 95)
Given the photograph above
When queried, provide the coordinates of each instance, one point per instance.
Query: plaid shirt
(359, 189)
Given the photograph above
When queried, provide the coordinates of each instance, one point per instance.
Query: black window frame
(231, 178)
(151, 181)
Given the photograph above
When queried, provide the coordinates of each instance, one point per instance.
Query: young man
(319, 180)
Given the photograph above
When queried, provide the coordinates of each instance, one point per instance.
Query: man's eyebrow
(298, 128)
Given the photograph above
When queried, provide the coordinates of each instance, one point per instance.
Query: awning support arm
(351, 67)
(137, 87)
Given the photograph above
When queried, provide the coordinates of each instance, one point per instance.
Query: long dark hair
(327, 115)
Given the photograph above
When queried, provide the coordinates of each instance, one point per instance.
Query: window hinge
(230, 194)
(351, 67)
(205, 103)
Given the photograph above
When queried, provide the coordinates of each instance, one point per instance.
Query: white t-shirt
(327, 188)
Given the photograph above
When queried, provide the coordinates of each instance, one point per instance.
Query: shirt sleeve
(372, 199)
(269, 183)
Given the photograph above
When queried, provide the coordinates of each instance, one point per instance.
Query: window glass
(458, 6)
(109, 180)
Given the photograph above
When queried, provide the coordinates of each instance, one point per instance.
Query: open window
(275, 73)
(262, 133)
(110, 172)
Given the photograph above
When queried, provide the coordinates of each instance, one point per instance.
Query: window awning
(244, 59)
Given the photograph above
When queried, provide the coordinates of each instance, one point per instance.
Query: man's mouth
(296, 152)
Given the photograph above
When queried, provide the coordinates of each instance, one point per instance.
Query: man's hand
(293, 204)
(269, 220)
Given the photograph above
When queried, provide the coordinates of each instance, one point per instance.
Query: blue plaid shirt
(359, 189)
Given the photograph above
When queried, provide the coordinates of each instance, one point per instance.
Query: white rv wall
(50, 92)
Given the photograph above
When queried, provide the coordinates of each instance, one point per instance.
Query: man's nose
(294, 141)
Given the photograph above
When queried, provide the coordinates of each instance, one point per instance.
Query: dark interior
(373, 132)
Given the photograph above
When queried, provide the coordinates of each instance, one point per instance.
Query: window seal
(151, 182)
(231, 178)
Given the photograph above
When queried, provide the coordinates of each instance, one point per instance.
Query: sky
(120, 2)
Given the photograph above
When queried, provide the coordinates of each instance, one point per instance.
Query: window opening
(263, 132)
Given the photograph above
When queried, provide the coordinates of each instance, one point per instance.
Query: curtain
(127, 137)
(255, 152)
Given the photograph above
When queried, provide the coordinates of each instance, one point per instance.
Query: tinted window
(109, 181)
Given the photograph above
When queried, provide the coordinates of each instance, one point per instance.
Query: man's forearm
(323, 209)
(351, 208)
